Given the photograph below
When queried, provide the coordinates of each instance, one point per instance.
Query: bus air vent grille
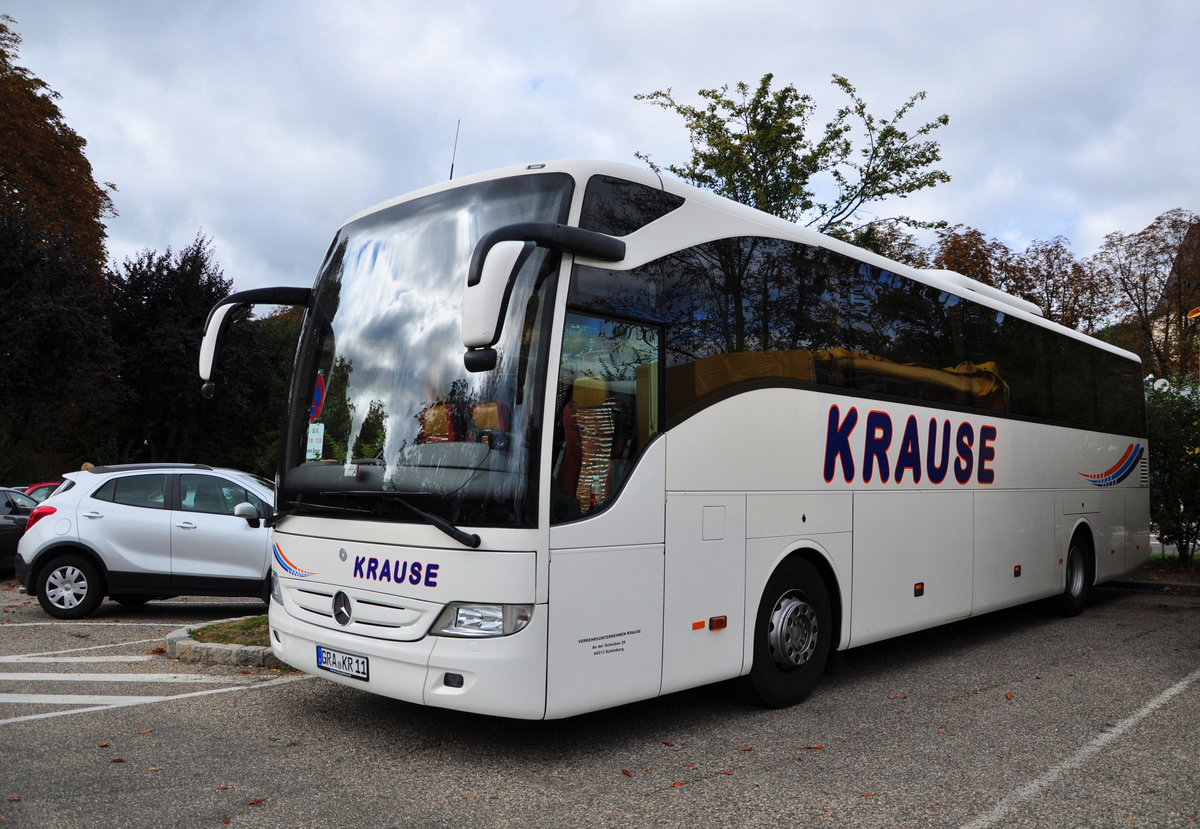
(377, 615)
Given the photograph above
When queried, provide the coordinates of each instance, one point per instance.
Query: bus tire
(70, 587)
(793, 633)
(1079, 581)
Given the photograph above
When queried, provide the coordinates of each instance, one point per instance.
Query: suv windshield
(384, 417)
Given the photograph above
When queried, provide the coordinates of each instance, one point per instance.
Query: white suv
(147, 531)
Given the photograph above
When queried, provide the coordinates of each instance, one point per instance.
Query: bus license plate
(345, 664)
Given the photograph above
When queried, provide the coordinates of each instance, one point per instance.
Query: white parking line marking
(123, 702)
(158, 639)
(73, 660)
(1028, 792)
(76, 699)
(62, 622)
(46, 676)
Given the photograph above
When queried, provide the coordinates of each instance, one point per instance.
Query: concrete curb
(181, 646)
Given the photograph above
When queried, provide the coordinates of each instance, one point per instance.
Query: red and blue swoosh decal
(288, 567)
(1120, 470)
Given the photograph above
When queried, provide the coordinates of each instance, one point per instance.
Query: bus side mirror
(485, 299)
(214, 330)
(497, 258)
(221, 314)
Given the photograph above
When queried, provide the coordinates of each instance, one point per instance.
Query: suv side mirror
(248, 511)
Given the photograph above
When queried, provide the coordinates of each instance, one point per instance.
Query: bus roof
(705, 217)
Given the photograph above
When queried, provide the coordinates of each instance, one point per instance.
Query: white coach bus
(570, 435)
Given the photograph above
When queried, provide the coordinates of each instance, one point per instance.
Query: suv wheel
(70, 587)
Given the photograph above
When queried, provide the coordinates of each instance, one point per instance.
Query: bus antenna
(454, 152)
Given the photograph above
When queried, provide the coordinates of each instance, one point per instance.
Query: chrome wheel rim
(793, 631)
(66, 587)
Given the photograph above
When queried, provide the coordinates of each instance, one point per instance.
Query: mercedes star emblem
(341, 608)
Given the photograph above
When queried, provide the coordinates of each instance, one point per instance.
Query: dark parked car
(15, 507)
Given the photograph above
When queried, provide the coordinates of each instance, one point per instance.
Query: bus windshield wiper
(467, 539)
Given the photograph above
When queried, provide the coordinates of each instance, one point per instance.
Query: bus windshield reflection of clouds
(401, 413)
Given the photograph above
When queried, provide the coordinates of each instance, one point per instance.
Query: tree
(1068, 290)
(752, 146)
(43, 170)
(1173, 423)
(1156, 272)
(60, 363)
(965, 250)
(159, 305)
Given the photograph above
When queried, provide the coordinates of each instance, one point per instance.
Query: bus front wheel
(1079, 582)
(793, 633)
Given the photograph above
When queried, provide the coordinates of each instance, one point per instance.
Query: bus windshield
(385, 421)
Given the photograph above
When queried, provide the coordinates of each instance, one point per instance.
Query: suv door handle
(186, 525)
(93, 515)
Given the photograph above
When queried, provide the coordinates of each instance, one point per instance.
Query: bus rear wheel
(793, 633)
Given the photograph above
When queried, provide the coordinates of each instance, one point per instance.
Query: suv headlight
(476, 620)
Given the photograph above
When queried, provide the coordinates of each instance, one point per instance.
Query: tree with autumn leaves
(44, 173)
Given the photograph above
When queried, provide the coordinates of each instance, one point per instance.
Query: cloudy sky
(266, 124)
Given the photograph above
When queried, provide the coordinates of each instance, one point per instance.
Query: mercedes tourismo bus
(570, 435)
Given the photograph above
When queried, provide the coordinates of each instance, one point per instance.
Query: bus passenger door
(704, 593)
(606, 502)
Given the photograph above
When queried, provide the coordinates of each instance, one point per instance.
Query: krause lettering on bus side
(929, 460)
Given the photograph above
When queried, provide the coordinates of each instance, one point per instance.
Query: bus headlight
(475, 620)
(276, 590)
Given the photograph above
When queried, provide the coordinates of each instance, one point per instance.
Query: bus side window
(607, 410)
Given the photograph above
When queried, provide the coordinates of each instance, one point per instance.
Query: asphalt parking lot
(1016, 718)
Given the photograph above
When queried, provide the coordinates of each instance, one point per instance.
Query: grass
(1170, 568)
(251, 631)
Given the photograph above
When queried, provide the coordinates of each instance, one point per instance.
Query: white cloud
(268, 124)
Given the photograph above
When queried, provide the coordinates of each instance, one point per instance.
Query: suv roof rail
(134, 467)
